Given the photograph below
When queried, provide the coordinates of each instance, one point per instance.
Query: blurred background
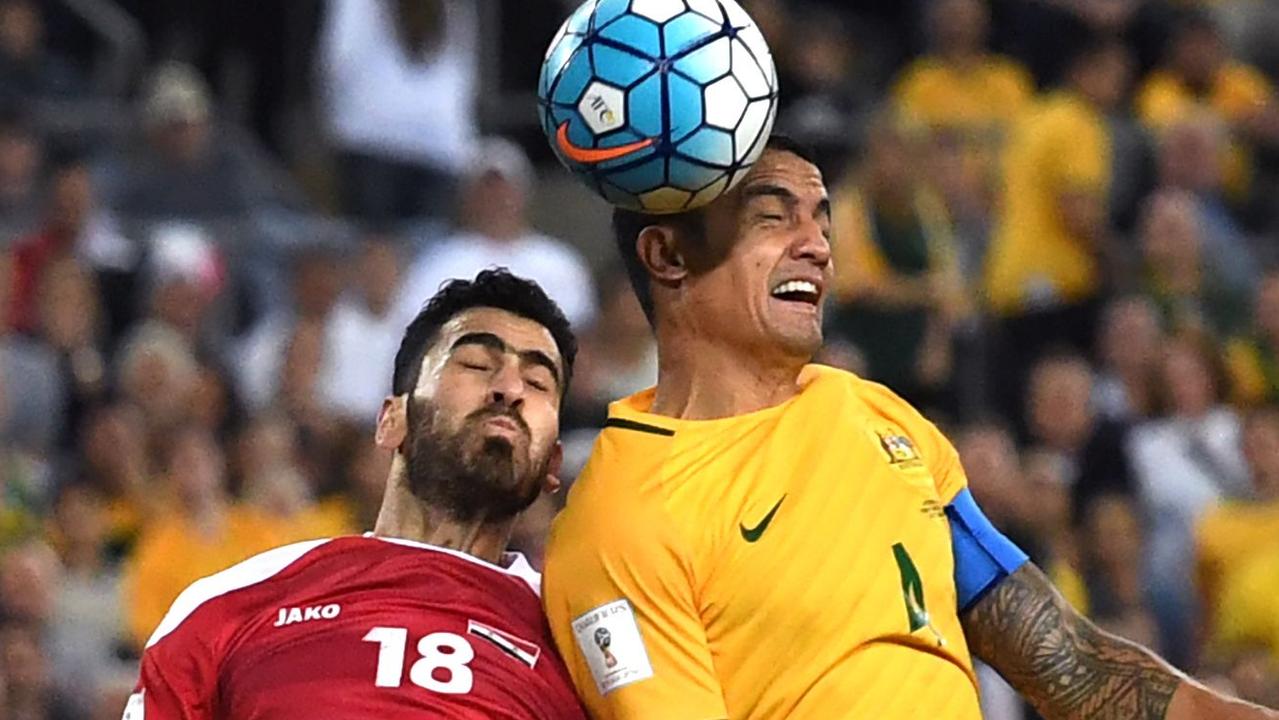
(1055, 232)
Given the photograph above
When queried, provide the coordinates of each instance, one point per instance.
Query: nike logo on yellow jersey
(751, 535)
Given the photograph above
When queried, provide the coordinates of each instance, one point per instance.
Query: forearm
(1192, 701)
(1071, 670)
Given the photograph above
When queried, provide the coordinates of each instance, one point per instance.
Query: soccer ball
(659, 106)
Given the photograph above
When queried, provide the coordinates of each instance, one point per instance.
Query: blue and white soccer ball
(658, 105)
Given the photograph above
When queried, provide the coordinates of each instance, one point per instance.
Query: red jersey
(357, 627)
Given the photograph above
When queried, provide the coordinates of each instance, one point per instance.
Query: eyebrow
(493, 342)
(786, 196)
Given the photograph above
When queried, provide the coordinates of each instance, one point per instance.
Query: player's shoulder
(623, 489)
(840, 385)
(206, 593)
(884, 407)
(631, 442)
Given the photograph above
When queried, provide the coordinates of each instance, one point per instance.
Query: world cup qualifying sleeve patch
(609, 639)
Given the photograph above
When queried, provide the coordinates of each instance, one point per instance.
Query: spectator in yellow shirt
(1252, 361)
(898, 291)
(967, 95)
(1189, 291)
(275, 482)
(1199, 73)
(202, 533)
(1235, 540)
(1048, 253)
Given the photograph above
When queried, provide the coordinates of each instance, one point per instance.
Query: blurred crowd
(1055, 233)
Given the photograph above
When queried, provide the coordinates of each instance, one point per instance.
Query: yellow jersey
(172, 553)
(1238, 93)
(1061, 146)
(976, 102)
(1229, 539)
(793, 562)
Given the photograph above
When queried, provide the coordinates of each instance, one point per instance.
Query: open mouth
(800, 291)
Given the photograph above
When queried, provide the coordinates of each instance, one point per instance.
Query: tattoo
(1064, 665)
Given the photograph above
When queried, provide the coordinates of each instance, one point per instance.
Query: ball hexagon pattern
(659, 106)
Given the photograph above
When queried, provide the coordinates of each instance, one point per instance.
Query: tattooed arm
(1069, 669)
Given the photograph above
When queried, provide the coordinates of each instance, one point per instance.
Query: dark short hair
(496, 288)
(628, 224)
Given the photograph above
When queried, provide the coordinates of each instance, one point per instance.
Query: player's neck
(405, 517)
(703, 380)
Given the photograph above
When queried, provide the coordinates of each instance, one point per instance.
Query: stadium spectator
(202, 531)
(157, 373)
(827, 99)
(494, 232)
(185, 275)
(273, 480)
(215, 406)
(258, 357)
(186, 169)
(84, 641)
(1253, 358)
(898, 292)
(363, 332)
(1191, 295)
(29, 71)
(33, 420)
(73, 226)
(1190, 157)
(30, 574)
(1252, 637)
(21, 158)
(1232, 535)
(989, 456)
(1113, 568)
(967, 95)
(113, 460)
(299, 384)
(1063, 421)
(398, 85)
(1051, 250)
(1048, 498)
(1182, 463)
(30, 691)
(1128, 349)
(1199, 72)
(70, 333)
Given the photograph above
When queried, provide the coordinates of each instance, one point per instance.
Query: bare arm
(1069, 669)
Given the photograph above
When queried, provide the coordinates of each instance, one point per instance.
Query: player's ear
(661, 255)
(552, 483)
(392, 423)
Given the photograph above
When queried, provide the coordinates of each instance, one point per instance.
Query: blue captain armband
(983, 556)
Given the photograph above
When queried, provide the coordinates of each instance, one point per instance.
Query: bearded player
(427, 616)
(760, 537)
